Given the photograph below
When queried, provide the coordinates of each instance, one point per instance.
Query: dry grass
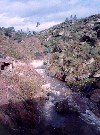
(25, 86)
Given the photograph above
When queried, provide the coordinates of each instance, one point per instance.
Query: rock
(95, 97)
(69, 79)
(3, 65)
(60, 75)
(1, 56)
(85, 38)
(62, 107)
(61, 33)
(53, 70)
(74, 103)
(7, 62)
(77, 104)
(90, 61)
(97, 74)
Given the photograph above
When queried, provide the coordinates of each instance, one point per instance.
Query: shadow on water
(27, 118)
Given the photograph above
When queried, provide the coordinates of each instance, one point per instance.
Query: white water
(37, 63)
(50, 87)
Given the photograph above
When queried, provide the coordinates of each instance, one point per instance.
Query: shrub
(98, 33)
(14, 53)
(96, 26)
(27, 88)
(9, 31)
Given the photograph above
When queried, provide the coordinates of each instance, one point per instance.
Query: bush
(9, 31)
(96, 26)
(13, 52)
(27, 88)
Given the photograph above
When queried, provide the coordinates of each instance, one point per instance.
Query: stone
(97, 74)
(95, 96)
(62, 107)
(73, 103)
(84, 38)
(60, 75)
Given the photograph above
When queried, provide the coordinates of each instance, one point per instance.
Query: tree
(9, 31)
(74, 18)
(37, 24)
(71, 17)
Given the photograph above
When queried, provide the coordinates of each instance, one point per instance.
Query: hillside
(74, 50)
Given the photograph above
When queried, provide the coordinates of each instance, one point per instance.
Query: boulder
(1, 56)
(95, 96)
(73, 103)
(97, 74)
(79, 105)
(60, 75)
(6, 62)
(62, 107)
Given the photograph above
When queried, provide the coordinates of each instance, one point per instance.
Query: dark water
(62, 124)
(39, 122)
(66, 123)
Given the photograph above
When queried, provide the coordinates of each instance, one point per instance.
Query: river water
(58, 91)
(51, 122)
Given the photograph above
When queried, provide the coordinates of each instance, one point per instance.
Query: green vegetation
(77, 59)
